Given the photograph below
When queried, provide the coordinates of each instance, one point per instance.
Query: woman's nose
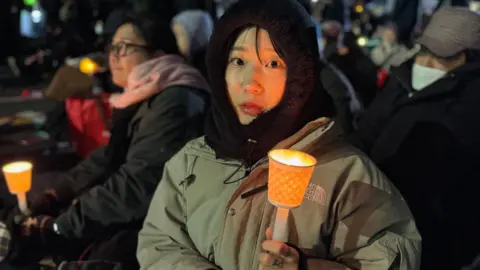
(254, 89)
(250, 81)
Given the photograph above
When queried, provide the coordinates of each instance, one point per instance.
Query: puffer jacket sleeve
(163, 242)
(125, 196)
(87, 173)
(373, 228)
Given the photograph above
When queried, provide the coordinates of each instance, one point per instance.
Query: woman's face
(127, 50)
(255, 75)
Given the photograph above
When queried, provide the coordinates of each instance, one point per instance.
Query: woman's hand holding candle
(277, 255)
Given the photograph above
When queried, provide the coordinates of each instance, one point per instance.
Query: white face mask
(425, 76)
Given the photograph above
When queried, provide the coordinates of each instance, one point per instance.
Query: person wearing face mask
(211, 211)
(422, 131)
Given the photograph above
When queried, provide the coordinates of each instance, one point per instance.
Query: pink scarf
(153, 76)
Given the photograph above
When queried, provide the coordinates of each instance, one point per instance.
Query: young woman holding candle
(211, 211)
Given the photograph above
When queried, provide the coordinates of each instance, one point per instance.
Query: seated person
(210, 210)
(193, 28)
(160, 110)
(421, 132)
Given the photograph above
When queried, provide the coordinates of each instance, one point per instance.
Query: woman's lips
(251, 108)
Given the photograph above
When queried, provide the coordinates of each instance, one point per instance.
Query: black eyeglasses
(122, 48)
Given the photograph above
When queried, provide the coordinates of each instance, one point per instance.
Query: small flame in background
(88, 66)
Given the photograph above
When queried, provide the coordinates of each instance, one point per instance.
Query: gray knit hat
(452, 30)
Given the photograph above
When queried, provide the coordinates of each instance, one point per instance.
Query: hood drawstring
(249, 169)
(246, 162)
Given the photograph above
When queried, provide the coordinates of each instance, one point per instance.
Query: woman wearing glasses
(160, 110)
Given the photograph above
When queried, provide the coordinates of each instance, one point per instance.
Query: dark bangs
(235, 34)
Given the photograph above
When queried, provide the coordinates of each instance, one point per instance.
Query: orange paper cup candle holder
(18, 176)
(288, 177)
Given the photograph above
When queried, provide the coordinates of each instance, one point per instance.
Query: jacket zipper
(225, 214)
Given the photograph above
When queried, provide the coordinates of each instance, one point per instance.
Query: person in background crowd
(337, 10)
(421, 130)
(406, 15)
(193, 28)
(342, 50)
(347, 104)
(211, 211)
(161, 109)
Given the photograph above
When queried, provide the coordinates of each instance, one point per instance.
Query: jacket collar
(310, 137)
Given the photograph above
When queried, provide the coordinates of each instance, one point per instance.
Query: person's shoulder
(195, 146)
(181, 95)
(183, 159)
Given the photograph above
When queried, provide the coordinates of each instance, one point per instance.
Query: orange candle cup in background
(288, 177)
(88, 66)
(18, 176)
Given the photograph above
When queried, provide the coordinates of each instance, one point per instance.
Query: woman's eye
(274, 64)
(237, 61)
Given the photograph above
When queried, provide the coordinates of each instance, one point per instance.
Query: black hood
(293, 33)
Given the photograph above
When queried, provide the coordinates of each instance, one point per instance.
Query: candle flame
(292, 158)
(17, 167)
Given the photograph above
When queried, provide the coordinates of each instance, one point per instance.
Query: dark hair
(156, 32)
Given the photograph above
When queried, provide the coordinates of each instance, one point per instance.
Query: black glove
(34, 238)
(41, 229)
(46, 204)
